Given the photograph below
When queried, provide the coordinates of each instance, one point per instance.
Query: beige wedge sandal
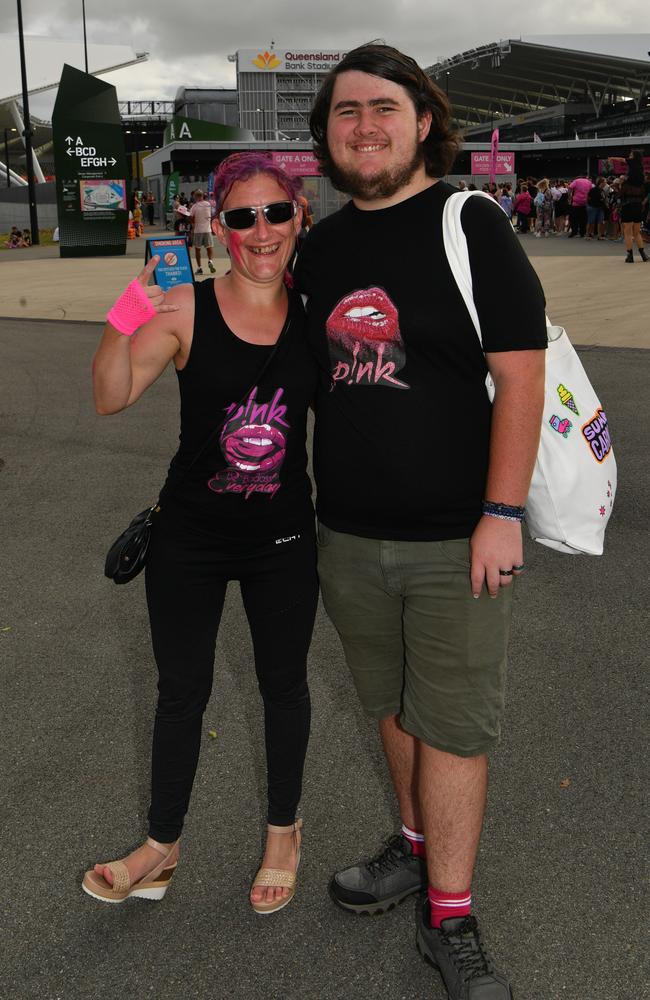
(278, 877)
(153, 885)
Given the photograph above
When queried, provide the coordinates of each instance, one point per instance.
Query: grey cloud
(186, 38)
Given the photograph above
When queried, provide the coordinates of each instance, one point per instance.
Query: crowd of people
(18, 238)
(141, 203)
(594, 208)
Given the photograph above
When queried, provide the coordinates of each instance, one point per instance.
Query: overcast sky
(188, 44)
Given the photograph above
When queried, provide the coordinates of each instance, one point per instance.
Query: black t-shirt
(402, 415)
(596, 197)
(251, 480)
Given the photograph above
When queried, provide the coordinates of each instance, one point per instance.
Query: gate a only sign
(90, 167)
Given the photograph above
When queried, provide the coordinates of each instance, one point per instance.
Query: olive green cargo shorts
(417, 643)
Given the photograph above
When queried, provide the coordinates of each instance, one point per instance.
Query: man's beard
(382, 185)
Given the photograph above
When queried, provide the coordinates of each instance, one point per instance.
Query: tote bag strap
(455, 243)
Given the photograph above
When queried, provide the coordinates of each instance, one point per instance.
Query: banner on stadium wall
(90, 165)
(505, 163)
(494, 155)
(297, 164)
(172, 189)
(618, 165)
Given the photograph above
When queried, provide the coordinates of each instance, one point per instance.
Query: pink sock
(448, 904)
(416, 840)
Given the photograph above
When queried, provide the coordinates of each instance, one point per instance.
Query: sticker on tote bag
(566, 398)
(596, 434)
(562, 426)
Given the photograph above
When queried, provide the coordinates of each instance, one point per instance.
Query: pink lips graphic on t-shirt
(254, 448)
(365, 315)
(364, 339)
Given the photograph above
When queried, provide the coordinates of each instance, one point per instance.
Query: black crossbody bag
(128, 553)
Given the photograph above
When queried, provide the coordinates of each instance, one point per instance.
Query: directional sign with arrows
(90, 167)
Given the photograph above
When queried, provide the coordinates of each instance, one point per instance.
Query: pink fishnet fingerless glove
(132, 310)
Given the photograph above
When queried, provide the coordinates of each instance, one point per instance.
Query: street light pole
(83, 15)
(27, 133)
(7, 158)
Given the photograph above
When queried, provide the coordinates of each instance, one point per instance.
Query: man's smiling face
(374, 136)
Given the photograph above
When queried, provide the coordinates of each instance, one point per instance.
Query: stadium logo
(266, 60)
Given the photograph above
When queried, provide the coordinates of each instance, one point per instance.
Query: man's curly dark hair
(443, 142)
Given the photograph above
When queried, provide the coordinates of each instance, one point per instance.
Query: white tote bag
(574, 481)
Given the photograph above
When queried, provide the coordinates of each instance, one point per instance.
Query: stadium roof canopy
(511, 78)
(44, 59)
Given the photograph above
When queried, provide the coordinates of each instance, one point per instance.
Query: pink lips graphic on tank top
(254, 445)
(364, 340)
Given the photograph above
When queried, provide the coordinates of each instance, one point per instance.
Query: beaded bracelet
(505, 511)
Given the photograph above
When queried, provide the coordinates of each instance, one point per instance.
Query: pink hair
(243, 166)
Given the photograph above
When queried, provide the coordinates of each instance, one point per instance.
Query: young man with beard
(421, 482)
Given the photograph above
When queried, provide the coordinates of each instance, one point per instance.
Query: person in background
(307, 220)
(596, 208)
(26, 238)
(578, 194)
(560, 193)
(13, 240)
(201, 219)
(544, 206)
(531, 185)
(137, 218)
(150, 202)
(505, 200)
(522, 206)
(634, 191)
(615, 233)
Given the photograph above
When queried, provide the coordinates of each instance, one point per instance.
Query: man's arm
(514, 439)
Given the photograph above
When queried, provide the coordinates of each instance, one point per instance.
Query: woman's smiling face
(262, 252)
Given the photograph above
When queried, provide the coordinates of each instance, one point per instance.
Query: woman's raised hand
(154, 292)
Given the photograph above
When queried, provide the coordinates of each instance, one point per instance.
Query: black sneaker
(460, 956)
(378, 885)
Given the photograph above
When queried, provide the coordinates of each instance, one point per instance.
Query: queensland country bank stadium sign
(286, 60)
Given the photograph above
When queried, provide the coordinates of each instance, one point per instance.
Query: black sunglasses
(245, 218)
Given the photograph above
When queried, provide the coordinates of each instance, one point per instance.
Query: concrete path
(588, 288)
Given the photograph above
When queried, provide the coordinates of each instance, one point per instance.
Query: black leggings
(186, 577)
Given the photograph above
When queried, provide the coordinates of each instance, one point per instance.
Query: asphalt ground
(558, 887)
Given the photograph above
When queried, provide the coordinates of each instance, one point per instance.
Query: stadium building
(564, 105)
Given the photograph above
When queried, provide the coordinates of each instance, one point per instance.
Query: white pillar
(20, 125)
(16, 179)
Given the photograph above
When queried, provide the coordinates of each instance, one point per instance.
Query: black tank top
(251, 481)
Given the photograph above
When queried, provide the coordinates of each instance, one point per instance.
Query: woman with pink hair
(236, 505)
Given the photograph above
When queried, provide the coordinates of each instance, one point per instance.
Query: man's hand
(154, 293)
(495, 545)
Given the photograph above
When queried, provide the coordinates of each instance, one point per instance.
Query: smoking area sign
(174, 267)
(90, 167)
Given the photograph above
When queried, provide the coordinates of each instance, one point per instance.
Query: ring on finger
(519, 569)
(505, 572)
